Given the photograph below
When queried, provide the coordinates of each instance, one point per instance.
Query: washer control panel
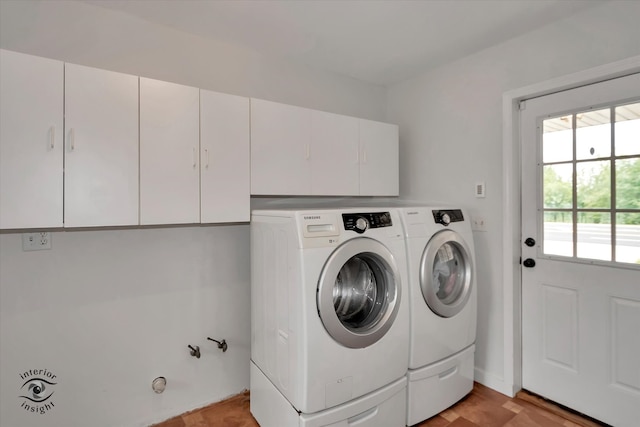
(360, 222)
(447, 216)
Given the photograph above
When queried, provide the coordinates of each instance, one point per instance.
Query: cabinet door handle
(206, 158)
(52, 137)
(308, 152)
(364, 156)
(72, 139)
(195, 160)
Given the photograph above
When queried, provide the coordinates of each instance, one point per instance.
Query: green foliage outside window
(594, 193)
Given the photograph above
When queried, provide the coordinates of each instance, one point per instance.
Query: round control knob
(445, 219)
(361, 224)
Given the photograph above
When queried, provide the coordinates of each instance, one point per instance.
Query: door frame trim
(511, 213)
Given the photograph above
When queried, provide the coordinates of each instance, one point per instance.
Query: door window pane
(557, 139)
(594, 184)
(558, 233)
(627, 130)
(628, 237)
(628, 183)
(591, 174)
(594, 235)
(558, 186)
(593, 134)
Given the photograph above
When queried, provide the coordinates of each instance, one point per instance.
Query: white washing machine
(443, 309)
(330, 319)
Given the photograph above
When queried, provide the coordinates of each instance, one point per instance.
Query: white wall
(90, 35)
(451, 137)
(107, 311)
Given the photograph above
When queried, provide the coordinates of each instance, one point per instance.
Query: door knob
(529, 262)
(530, 242)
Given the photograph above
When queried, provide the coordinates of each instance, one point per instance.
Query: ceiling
(378, 41)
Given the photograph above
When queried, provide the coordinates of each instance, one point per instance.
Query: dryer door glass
(449, 273)
(358, 293)
(445, 273)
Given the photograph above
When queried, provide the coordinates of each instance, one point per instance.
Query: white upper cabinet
(84, 147)
(298, 151)
(280, 149)
(379, 167)
(334, 154)
(169, 153)
(224, 158)
(101, 151)
(31, 146)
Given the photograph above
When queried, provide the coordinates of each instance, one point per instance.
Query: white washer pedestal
(381, 408)
(436, 387)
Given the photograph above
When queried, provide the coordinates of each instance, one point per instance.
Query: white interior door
(581, 268)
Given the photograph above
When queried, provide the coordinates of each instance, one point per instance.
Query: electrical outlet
(478, 223)
(36, 241)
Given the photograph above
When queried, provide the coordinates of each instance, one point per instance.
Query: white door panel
(224, 151)
(31, 146)
(581, 299)
(101, 152)
(169, 153)
(379, 154)
(335, 167)
(280, 149)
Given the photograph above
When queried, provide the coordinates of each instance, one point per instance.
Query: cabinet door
(280, 149)
(379, 169)
(334, 154)
(169, 153)
(31, 146)
(224, 158)
(101, 154)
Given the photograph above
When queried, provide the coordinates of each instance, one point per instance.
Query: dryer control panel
(447, 216)
(360, 222)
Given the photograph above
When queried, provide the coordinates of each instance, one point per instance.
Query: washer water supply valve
(221, 344)
(195, 351)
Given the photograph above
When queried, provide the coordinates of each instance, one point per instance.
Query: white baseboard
(494, 382)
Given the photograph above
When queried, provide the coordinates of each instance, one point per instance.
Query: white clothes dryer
(443, 309)
(330, 318)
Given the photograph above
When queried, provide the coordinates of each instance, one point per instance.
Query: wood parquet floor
(483, 407)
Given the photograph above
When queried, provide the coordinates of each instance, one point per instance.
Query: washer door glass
(445, 274)
(359, 292)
